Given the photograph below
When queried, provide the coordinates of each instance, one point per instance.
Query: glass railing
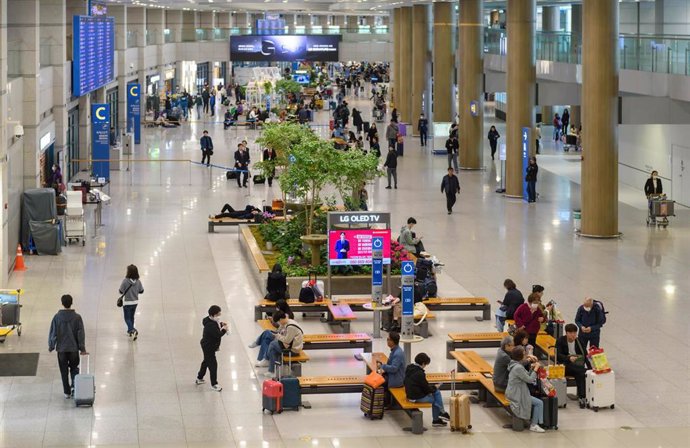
(648, 53)
(222, 34)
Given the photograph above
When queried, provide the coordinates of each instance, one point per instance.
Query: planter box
(341, 285)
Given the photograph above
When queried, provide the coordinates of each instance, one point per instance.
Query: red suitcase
(272, 393)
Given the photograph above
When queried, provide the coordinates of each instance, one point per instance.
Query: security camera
(18, 130)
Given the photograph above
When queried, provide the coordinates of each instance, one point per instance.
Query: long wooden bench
(471, 361)
(546, 346)
(231, 222)
(341, 314)
(461, 304)
(473, 340)
(330, 341)
(255, 252)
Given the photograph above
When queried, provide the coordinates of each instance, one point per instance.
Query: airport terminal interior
(106, 108)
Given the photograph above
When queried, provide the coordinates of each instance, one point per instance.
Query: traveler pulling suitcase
(550, 412)
(272, 396)
(84, 387)
(459, 409)
(292, 394)
(372, 402)
(601, 390)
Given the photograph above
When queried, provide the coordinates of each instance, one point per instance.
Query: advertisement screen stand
(407, 336)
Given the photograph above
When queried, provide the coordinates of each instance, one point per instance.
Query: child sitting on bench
(227, 211)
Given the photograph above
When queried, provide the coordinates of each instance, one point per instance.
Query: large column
(190, 22)
(397, 40)
(4, 168)
(23, 24)
(521, 89)
(575, 32)
(136, 22)
(443, 62)
(420, 21)
(155, 26)
(207, 19)
(403, 102)
(600, 118)
(471, 75)
(550, 18)
(119, 12)
(173, 22)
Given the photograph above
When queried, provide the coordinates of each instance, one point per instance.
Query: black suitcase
(9, 314)
(366, 126)
(231, 175)
(258, 179)
(550, 412)
(372, 402)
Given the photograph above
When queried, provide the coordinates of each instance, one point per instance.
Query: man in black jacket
(571, 354)
(418, 389)
(68, 338)
(391, 165)
(214, 329)
(242, 164)
(452, 148)
(450, 185)
(206, 148)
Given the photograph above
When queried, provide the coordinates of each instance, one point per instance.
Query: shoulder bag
(119, 299)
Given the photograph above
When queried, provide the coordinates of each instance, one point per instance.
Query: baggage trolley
(659, 210)
(75, 225)
(10, 305)
(570, 143)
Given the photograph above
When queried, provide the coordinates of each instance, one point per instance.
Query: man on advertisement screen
(342, 247)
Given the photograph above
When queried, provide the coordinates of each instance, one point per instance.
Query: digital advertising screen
(353, 247)
(93, 53)
(276, 48)
(301, 78)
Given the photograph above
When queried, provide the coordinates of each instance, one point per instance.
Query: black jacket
(422, 125)
(650, 188)
(67, 332)
(241, 159)
(531, 174)
(357, 118)
(276, 285)
(391, 160)
(493, 136)
(452, 146)
(512, 300)
(450, 185)
(564, 355)
(212, 334)
(416, 385)
(206, 142)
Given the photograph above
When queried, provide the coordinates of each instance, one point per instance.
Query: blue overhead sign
(407, 269)
(134, 110)
(100, 139)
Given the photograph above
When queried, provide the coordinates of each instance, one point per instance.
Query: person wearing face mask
(214, 330)
(529, 317)
(652, 188)
(589, 319)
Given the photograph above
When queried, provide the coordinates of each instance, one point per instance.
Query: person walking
(557, 123)
(270, 154)
(212, 103)
(206, 148)
(242, 165)
(565, 120)
(450, 185)
(357, 120)
(452, 148)
(531, 179)
(198, 102)
(130, 288)
(423, 128)
(392, 133)
(68, 337)
(214, 330)
(391, 165)
(206, 97)
(537, 137)
(493, 140)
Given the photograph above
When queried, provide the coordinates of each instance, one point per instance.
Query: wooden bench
(546, 346)
(473, 340)
(330, 341)
(297, 360)
(340, 313)
(470, 361)
(225, 222)
(255, 251)
(266, 306)
(461, 304)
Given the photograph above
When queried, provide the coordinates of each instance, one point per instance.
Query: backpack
(602, 310)
(306, 295)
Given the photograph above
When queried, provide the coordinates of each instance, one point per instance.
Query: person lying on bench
(276, 284)
(227, 211)
(418, 389)
(394, 369)
(289, 337)
(267, 336)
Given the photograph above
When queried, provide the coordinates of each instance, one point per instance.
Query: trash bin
(577, 219)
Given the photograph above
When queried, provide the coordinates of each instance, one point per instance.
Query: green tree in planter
(354, 169)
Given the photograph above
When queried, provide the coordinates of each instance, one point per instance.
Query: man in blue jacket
(393, 370)
(589, 319)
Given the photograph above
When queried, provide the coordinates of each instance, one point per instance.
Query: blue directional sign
(100, 139)
(377, 261)
(525, 159)
(134, 110)
(407, 288)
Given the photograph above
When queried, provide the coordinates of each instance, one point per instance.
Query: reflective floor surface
(157, 220)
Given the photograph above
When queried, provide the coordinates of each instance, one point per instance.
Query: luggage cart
(75, 225)
(570, 143)
(10, 305)
(659, 210)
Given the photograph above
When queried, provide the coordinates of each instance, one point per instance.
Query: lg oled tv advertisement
(273, 48)
(353, 247)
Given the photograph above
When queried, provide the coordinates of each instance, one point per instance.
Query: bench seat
(461, 304)
(254, 250)
(473, 340)
(471, 361)
(329, 341)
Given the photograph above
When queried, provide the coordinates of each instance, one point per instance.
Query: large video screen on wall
(353, 247)
(93, 54)
(284, 48)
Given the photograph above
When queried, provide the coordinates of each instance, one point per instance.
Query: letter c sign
(99, 113)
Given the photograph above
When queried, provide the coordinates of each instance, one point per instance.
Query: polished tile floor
(145, 390)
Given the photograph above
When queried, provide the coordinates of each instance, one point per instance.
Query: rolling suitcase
(372, 402)
(459, 409)
(600, 390)
(550, 412)
(9, 314)
(272, 396)
(556, 374)
(366, 126)
(84, 387)
(292, 394)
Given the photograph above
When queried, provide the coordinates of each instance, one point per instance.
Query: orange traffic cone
(19, 264)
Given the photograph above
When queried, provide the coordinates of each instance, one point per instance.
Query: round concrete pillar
(471, 75)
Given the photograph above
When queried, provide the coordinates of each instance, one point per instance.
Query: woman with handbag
(130, 288)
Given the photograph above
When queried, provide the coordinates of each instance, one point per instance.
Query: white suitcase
(601, 390)
(84, 387)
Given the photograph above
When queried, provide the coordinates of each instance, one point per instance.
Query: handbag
(374, 379)
(119, 300)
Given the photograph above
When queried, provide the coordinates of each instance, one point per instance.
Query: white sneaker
(253, 345)
(536, 428)
(263, 363)
(198, 381)
(217, 388)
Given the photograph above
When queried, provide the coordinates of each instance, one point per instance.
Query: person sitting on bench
(267, 336)
(522, 404)
(229, 119)
(418, 389)
(573, 356)
(289, 337)
(227, 211)
(501, 364)
(276, 284)
(393, 370)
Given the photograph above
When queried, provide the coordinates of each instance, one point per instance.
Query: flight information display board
(93, 53)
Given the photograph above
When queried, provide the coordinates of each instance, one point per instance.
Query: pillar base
(600, 237)
(466, 168)
(512, 196)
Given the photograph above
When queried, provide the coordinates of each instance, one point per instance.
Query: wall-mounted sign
(474, 108)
